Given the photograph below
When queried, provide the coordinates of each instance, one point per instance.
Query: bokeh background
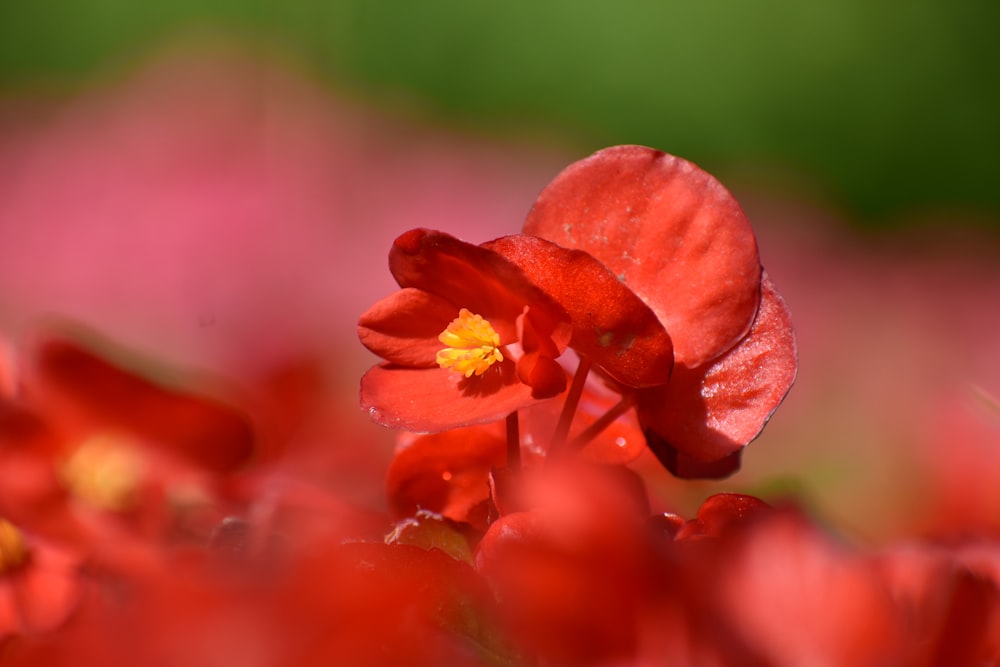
(214, 185)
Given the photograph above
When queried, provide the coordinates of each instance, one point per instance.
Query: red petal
(403, 328)
(709, 413)
(47, 591)
(429, 400)
(670, 231)
(785, 579)
(570, 573)
(721, 512)
(106, 396)
(544, 375)
(611, 325)
(476, 278)
(447, 473)
(537, 366)
(687, 467)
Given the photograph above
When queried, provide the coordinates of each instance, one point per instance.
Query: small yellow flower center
(471, 345)
(104, 472)
(13, 550)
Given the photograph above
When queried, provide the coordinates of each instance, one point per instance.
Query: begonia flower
(679, 240)
(520, 301)
(468, 339)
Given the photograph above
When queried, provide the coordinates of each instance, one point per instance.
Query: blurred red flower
(40, 583)
(97, 456)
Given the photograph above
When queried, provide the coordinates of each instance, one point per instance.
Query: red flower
(677, 238)
(519, 301)
(468, 339)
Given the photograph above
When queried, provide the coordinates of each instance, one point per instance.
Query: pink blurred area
(221, 211)
(221, 221)
(217, 212)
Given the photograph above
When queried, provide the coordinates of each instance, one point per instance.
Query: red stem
(605, 420)
(569, 407)
(513, 442)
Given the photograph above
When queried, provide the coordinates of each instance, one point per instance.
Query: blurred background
(215, 185)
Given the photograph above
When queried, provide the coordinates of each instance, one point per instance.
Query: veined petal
(403, 328)
(429, 400)
(611, 325)
(708, 414)
(670, 231)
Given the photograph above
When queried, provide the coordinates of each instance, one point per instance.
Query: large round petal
(670, 231)
(611, 325)
(699, 422)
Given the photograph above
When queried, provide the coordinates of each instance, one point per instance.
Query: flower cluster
(632, 313)
(163, 522)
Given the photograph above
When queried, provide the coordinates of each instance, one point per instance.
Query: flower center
(13, 550)
(104, 472)
(471, 345)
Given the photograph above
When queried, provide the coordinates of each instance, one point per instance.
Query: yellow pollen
(104, 472)
(471, 345)
(13, 550)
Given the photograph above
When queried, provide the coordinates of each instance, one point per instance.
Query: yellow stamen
(104, 472)
(471, 345)
(13, 550)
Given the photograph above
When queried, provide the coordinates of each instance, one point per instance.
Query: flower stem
(513, 442)
(605, 420)
(569, 407)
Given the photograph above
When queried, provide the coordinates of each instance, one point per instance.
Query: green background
(888, 109)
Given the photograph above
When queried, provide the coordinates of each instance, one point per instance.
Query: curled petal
(670, 231)
(429, 400)
(537, 366)
(611, 325)
(544, 375)
(698, 423)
